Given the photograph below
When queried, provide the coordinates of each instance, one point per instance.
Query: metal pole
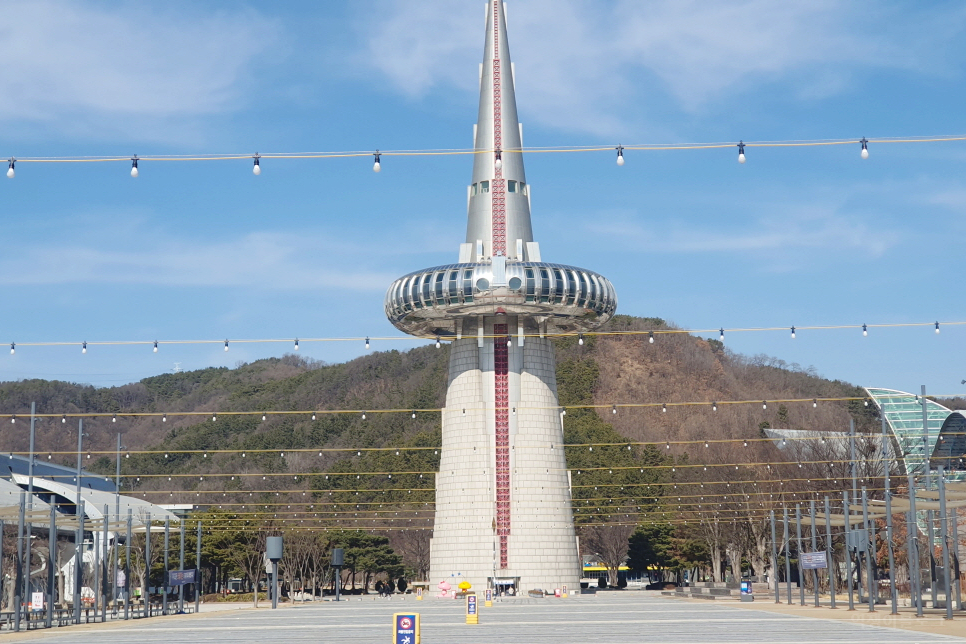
(181, 567)
(28, 589)
(893, 595)
(931, 536)
(164, 595)
(52, 565)
(829, 552)
(18, 598)
(105, 563)
(869, 538)
(274, 584)
(944, 536)
(79, 538)
(852, 464)
(774, 557)
(912, 536)
(127, 570)
(848, 554)
(788, 562)
(798, 551)
(146, 584)
(117, 515)
(198, 572)
(811, 507)
(955, 521)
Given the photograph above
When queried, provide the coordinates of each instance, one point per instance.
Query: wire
(408, 338)
(247, 156)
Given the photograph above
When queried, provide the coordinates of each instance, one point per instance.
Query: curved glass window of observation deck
(525, 283)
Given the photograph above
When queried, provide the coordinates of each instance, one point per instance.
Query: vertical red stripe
(498, 191)
(501, 368)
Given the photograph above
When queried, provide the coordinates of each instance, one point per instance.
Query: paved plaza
(610, 618)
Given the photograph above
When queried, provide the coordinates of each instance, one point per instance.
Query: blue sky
(206, 250)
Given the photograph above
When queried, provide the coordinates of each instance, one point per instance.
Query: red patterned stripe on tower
(501, 368)
(498, 193)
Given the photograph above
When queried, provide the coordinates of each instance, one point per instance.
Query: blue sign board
(471, 604)
(813, 560)
(181, 577)
(406, 628)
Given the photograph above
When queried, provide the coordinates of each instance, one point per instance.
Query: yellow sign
(472, 616)
(419, 594)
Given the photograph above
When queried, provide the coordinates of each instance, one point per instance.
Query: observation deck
(556, 297)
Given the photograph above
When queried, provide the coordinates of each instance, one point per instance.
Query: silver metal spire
(498, 218)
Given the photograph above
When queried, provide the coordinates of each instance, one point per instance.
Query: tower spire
(498, 218)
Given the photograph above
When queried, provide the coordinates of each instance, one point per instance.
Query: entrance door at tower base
(504, 586)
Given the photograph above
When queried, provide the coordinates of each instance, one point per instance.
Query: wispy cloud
(586, 63)
(135, 254)
(106, 67)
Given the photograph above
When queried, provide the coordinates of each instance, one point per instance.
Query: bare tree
(610, 543)
(249, 555)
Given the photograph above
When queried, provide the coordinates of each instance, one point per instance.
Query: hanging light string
(666, 444)
(247, 156)
(314, 413)
(295, 342)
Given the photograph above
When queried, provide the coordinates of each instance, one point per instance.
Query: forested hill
(622, 369)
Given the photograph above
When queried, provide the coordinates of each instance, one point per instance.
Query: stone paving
(605, 619)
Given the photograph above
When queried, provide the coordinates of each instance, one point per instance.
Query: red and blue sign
(471, 604)
(405, 629)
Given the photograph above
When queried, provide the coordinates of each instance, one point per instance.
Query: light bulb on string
(64, 419)
(793, 333)
(114, 418)
(296, 344)
(498, 161)
(256, 169)
(620, 155)
(313, 418)
(155, 349)
(437, 342)
(814, 403)
(134, 166)
(164, 418)
(12, 162)
(84, 347)
(614, 411)
(714, 406)
(580, 339)
(663, 408)
(377, 166)
(865, 330)
(509, 341)
(367, 342)
(363, 415)
(937, 328)
(764, 404)
(226, 345)
(721, 334)
(414, 416)
(13, 348)
(865, 148)
(741, 151)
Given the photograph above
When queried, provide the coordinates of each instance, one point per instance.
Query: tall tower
(503, 507)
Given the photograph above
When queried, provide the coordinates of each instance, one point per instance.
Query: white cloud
(586, 65)
(87, 65)
(134, 254)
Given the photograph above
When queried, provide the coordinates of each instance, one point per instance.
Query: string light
(865, 148)
(376, 167)
(498, 162)
(134, 166)
(226, 345)
(363, 415)
(155, 346)
(714, 406)
(664, 408)
(865, 330)
(937, 328)
(721, 334)
(650, 337)
(11, 163)
(84, 347)
(580, 339)
(614, 411)
(764, 404)
(437, 342)
(296, 344)
(741, 151)
(793, 332)
(114, 418)
(620, 155)
(13, 348)
(367, 342)
(256, 169)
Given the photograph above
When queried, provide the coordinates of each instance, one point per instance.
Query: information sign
(563, 592)
(471, 615)
(488, 597)
(36, 601)
(181, 577)
(813, 560)
(405, 628)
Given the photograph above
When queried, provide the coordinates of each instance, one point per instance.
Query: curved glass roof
(903, 413)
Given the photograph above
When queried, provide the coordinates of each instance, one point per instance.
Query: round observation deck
(427, 303)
